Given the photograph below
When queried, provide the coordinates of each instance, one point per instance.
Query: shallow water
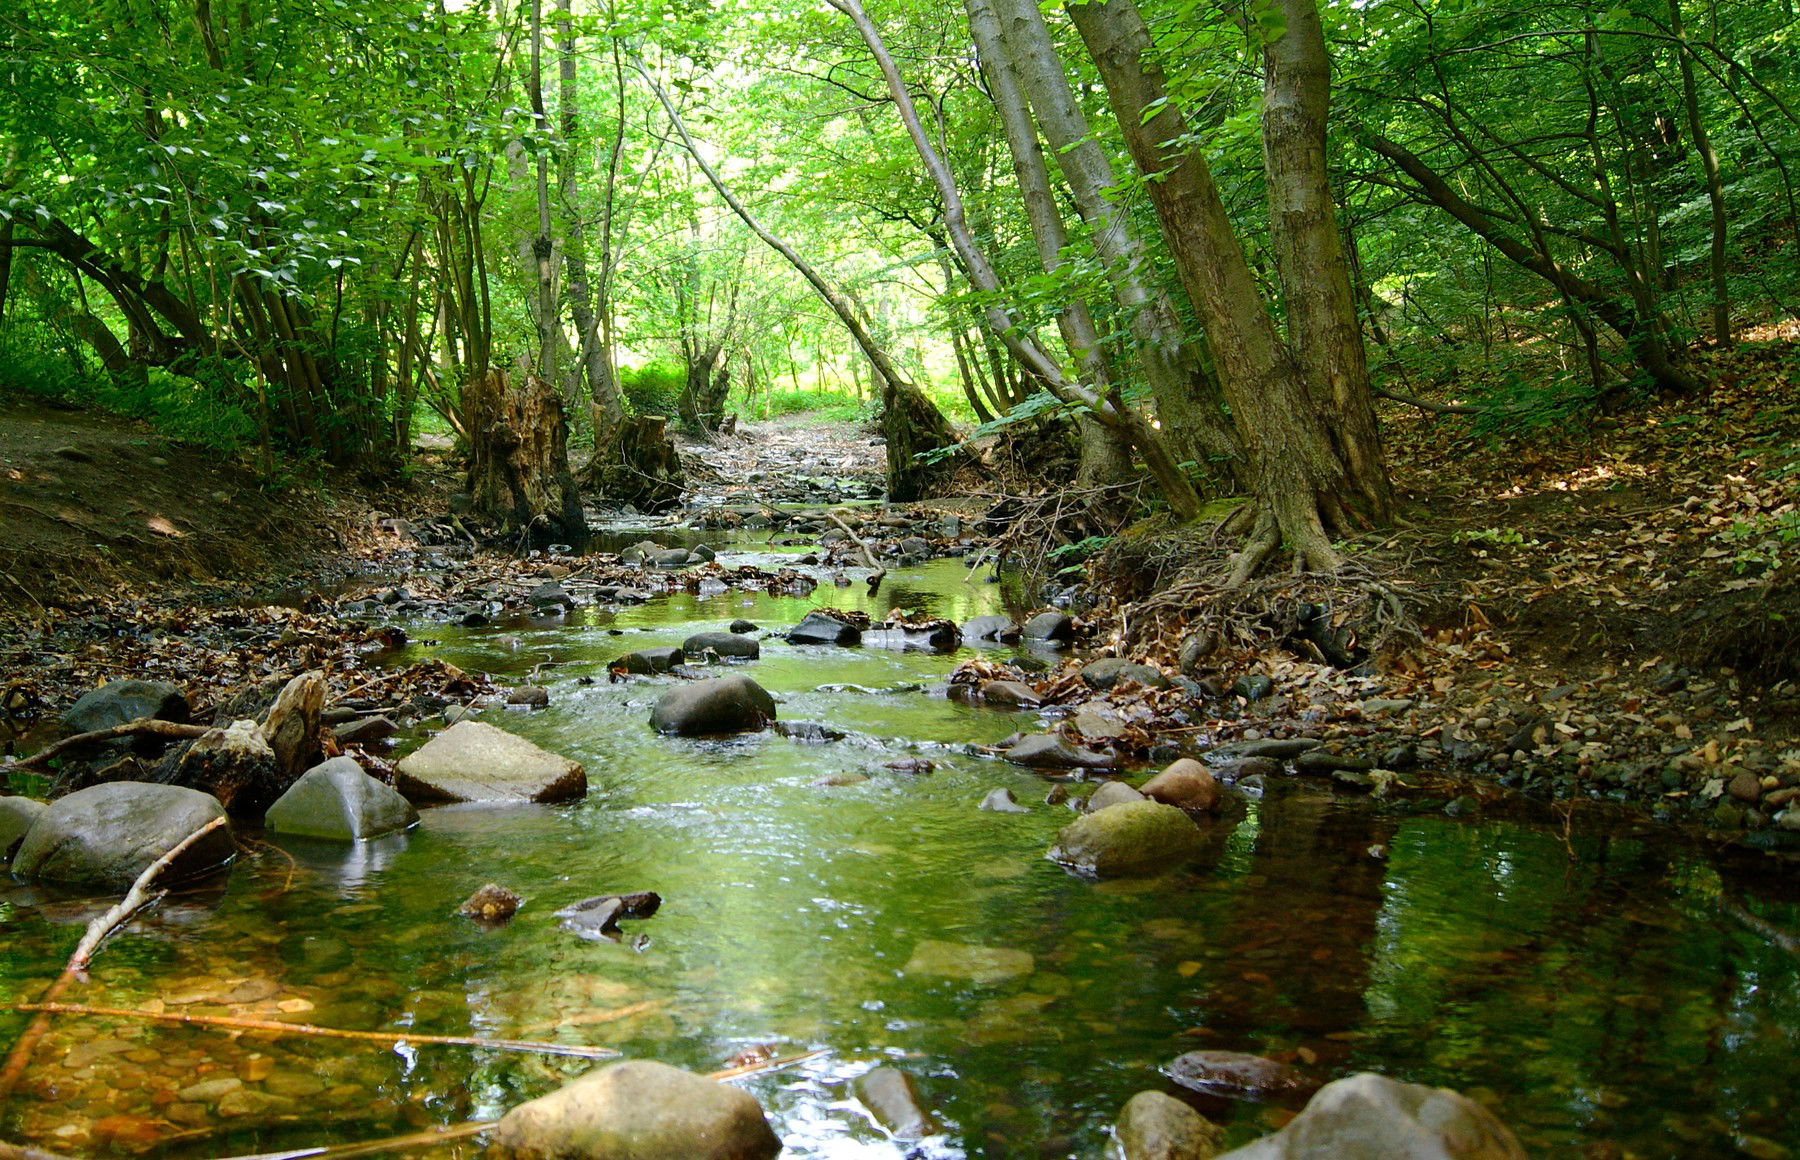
(1605, 1003)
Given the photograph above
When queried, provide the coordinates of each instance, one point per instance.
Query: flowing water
(1604, 1005)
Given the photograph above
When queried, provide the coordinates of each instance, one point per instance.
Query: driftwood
(241, 1023)
(135, 900)
(868, 556)
(142, 727)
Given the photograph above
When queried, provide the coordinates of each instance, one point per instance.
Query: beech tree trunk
(1189, 401)
(1175, 487)
(1309, 253)
(1298, 480)
(519, 475)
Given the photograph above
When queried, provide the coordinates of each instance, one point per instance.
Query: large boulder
(106, 835)
(1127, 839)
(1154, 1126)
(726, 644)
(1187, 785)
(336, 799)
(734, 704)
(117, 702)
(1371, 1117)
(641, 1110)
(474, 762)
(17, 814)
(818, 628)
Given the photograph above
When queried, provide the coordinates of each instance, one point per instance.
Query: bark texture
(519, 475)
(638, 465)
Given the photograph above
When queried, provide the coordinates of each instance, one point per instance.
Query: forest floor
(1602, 610)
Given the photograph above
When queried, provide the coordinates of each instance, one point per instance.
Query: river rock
(1048, 751)
(1278, 748)
(336, 799)
(1014, 694)
(1111, 793)
(550, 597)
(1371, 1117)
(1240, 1076)
(977, 964)
(1001, 801)
(817, 628)
(938, 636)
(889, 1095)
(364, 730)
(1127, 839)
(1155, 1126)
(106, 835)
(808, 732)
(1187, 785)
(1050, 626)
(474, 762)
(742, 626)
(645, 661)
(17, 814)
(642, 1110)
(493, 903)
(673, 558)
(529, 697)
(117, 702)
(726, 644)
(1109, 671)
(734, 704)
(991, 629)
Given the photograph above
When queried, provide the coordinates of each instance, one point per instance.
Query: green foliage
(1071, 559)
(179, 407)
(820, 404)
(1498, 537)
(652, 389)
(1762, 542)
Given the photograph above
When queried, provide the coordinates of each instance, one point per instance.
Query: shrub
(652, 389)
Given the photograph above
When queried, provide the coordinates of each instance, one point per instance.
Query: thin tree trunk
(1176, 489)
(603, 387)
(543, 250)
(1186, 390)
(1715, 188)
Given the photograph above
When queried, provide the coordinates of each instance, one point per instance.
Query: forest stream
(1593, 989)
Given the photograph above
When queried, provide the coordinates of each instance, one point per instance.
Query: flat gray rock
(474, 762)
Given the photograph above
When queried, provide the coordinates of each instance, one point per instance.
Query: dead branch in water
(868, 556)
(135, 900)
(242, 1023)
(142, 727)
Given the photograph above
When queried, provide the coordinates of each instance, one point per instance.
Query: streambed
(1605, 1003)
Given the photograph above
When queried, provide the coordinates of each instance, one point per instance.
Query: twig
(590, 1018)
(868, 556)
(425, 1139)
(1428, 405)
(763, 1065)
(1786, 940)
(240, 1023)
(135, 899)
(143, 727)
(138, 897)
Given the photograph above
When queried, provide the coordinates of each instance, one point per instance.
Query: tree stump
(639, 466)
(519, 475)
(913, 425)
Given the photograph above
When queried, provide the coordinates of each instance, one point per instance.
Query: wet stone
(977, 964)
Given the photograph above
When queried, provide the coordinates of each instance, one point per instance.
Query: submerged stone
(1155, 1126)
(1372, 1117)
(977, 964)
(889, 1095)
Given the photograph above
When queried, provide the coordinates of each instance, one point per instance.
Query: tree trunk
(1315, 278)
(638, 465)
(911, 421)
(1299, 482)
(519, 475)
(1715, 188)
(549, 313)
(1104, 461)
(596, 362)
(1175, 487)
(1188, 398)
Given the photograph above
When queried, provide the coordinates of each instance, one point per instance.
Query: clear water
(1605, 1005)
